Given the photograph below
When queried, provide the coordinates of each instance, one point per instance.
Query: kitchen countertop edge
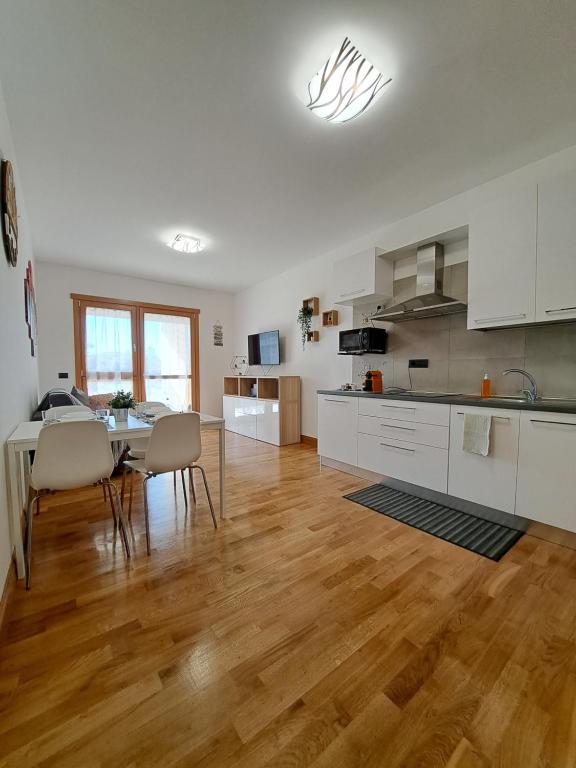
(547, 406)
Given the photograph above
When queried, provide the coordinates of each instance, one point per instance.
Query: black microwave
(362, 341)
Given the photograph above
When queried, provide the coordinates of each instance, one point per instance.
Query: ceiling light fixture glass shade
(186, 244)
(345, 86)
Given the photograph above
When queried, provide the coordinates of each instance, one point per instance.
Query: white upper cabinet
(556, 276)
(362, 278)
(502, 261)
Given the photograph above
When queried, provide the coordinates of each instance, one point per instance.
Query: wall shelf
(313, 303)
(313, 336)
(329, 318)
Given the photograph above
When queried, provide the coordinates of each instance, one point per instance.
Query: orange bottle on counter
(485, 386)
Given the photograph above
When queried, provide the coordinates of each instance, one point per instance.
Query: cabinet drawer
(408, 431)
(419, 464)
(425, 413)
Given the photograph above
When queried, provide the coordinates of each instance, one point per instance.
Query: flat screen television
(264, 348)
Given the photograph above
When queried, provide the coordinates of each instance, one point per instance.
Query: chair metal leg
(192, 489)
(108, 494)
(116, 502)
(30, 517)
(146, 514)
(174, 478)
(131, 493)
(184, 488)
(123, 484)
(197, 466)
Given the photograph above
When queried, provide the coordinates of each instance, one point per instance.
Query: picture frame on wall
(30, 309)
(9, 212)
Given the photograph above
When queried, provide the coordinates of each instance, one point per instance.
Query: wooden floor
(306, 631)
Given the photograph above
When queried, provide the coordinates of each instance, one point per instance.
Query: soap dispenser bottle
(485, 386)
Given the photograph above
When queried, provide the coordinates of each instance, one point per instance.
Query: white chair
(175, 444)
(56, 412)
(60, 410)
(138, 446)
(72, 455)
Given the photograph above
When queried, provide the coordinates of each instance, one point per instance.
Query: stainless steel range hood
(429, 300)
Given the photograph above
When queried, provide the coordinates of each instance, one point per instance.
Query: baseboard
(6, 594)
(312, 441)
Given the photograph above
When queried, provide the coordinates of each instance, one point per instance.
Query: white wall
(55, 313)
(274, 303)
(18, 369)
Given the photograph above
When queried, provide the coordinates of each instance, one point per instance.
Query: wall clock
(9, 212)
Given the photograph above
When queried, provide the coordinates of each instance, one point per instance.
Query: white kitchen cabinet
(362, 278)
(419, 464)
(488, 480)
(268, 421)
(546, 488)
(410, 431)
(252, 417)
(556, 261)
(338, 428)
(502, 261)
(240, 415)
(426, 413)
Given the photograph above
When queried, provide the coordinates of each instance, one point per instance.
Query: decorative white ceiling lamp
(345, 86)
(186, 244)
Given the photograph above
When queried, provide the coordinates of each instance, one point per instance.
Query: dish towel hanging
(476, 437)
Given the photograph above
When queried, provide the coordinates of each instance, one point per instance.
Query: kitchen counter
(552, 406)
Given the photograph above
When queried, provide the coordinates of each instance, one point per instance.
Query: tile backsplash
(458, 358)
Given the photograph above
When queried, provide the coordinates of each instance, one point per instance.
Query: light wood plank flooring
(306, 631)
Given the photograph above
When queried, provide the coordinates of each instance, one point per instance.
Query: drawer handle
(340, 402)
(398, 448)
(549, 421)
(393, 426)
(353, 293)
(397, 407)
(560, 309)
(517, 316)
(502, 418)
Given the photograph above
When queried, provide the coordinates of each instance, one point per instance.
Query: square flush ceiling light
(186, 244)
(345, 86)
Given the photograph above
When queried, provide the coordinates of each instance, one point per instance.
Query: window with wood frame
(151, 350)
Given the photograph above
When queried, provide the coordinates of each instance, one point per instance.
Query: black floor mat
(481, 536)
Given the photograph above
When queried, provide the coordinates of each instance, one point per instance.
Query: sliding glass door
(168, 359)
(148, 349)
(109, 350)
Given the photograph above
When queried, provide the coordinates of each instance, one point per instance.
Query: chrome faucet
(532, 393)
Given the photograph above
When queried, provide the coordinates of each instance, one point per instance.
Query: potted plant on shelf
(121, 403)
(305, 323)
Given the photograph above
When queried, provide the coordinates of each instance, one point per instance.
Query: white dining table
(24, 439)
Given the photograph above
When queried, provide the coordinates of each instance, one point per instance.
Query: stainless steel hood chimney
(429, 300)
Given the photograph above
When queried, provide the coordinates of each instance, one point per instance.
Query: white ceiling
(137, 119)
